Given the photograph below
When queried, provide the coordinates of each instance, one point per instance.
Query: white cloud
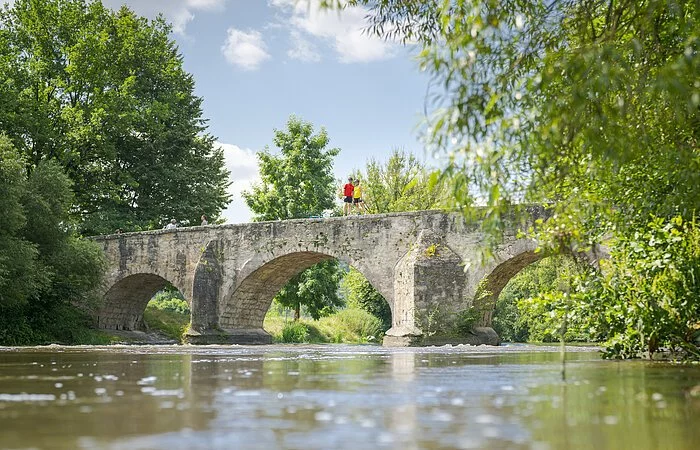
(178, 12)
(245, 49)
(302, 49)
(342, 29)
(243, 165)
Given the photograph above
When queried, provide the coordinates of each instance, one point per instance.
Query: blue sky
(255, 62)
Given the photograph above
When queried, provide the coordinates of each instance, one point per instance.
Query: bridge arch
(125, 301)
(259, 280)
(507, 267)
(493, 283)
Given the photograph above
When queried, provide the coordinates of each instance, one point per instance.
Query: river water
(342, 397)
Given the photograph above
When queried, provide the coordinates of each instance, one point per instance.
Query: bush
(170, 299)
(650, 291)
(294, 332)
(350, 325)
(354, 325)
(530, 307)
(168, 313)
(166, 321)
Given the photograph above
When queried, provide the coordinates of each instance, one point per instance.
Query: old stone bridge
(427, 265)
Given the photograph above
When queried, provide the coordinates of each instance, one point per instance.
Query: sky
(256, 62)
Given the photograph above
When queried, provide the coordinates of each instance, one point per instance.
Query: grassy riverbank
(350, 325)
(170, 317)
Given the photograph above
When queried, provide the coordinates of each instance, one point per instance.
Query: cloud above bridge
(243, 165)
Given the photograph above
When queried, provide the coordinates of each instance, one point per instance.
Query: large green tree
(47, 273)
(590, 104)
(104, 93)
(295, 183)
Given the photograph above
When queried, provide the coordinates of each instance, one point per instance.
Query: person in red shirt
(348, 192)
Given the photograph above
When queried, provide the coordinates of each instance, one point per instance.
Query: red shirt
(348, 189)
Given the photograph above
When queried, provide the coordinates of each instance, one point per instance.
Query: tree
(583, 103)
(401, 184)
(47, 273)
(590, 106)
(359, 292)
(299, 183)
(18, 278)
(104, 93)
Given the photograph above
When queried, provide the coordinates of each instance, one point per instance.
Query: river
(342, 397)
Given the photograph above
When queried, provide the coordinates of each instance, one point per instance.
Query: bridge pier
(430, 306)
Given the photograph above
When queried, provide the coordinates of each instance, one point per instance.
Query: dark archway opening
(125, 304)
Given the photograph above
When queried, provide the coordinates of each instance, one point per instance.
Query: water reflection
(340, 397)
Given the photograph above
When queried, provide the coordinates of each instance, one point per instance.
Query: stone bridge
(428, 266)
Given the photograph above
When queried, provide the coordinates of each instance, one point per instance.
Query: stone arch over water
(425, 264)
(505, 269)
(125, 301)
(245, 307)
(493, 283)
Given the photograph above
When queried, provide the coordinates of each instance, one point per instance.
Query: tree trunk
(297, 311)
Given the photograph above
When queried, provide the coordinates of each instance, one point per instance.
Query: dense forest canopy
(104, 94)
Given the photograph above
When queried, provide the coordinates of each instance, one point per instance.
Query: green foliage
(587, 104)
(294, 332)
(354, 325)
(349, 325)
(361, 294)
(47, 273)
(649, 293)
(170, 299)
(316, 288)
(105, 95)
(170, 322)
(468, 319)
(517, 316)
(644, 300)
(401, 184)
(298, 182)
(18, 256)
(432, 251)
(168, 313)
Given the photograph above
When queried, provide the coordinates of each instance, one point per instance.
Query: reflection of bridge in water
(427, 265)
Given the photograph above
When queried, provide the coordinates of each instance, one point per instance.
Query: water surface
(338, 397)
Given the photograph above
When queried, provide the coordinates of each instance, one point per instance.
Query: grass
(170, 323)
(350, 325)
(90, 336)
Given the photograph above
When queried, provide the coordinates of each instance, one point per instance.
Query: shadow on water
(319, 397)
